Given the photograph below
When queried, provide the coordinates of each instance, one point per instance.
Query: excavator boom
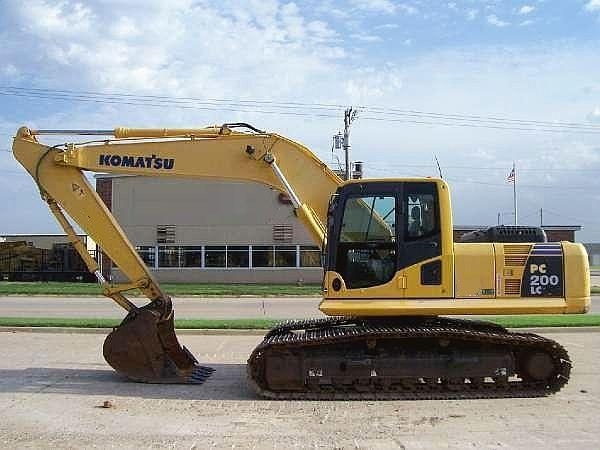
(144, 347)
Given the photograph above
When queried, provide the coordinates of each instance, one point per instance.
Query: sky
(477, 84)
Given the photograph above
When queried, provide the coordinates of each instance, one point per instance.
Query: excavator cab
(378, 228)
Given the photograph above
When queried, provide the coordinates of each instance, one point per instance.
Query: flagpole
(515, 194)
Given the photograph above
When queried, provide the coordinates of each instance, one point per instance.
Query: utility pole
(541, 217)
(515, 195)
(512, 178)
(349, 116)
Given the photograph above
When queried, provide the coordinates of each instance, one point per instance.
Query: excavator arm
(144, 347)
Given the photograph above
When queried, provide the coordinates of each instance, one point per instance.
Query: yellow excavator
(391, 273)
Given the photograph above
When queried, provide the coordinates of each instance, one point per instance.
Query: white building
(211, 231)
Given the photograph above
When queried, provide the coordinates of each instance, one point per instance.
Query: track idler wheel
(538, 366)
(144, 348)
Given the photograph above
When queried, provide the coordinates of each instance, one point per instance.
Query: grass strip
(531, 321)
(174, 289)
(546, 320)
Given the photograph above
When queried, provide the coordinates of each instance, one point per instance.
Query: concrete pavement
(52, 388)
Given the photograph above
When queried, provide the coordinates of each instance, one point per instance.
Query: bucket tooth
(200, 374)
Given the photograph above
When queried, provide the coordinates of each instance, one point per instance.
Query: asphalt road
(185, 308)
(52, 387)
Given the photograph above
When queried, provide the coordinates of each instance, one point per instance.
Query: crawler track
(409, 358)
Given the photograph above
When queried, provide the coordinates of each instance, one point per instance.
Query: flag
(511, 176)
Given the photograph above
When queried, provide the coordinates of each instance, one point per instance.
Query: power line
(479, 118)
(310, 110)
(109, 101)
(390, 167)
(294, 105)
(527, 216)
(210, 101)
(428, 166)
(555, 213)
(476, 125)
(534, 186)
(485, 183)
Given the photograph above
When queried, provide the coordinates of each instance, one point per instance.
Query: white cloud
(320, 31)
(594, 116)
(526, 23)
(124, 28)
(179, 49)
(593, 5)
(10, 70)
(380, 6)
(366, 37)
(271, 50)
(384, 6)
(387, 26)
(408, 9)
(492, 19)
(328, 8)
(64, 18)
(526, 9)
(370, 85)
(472, 14)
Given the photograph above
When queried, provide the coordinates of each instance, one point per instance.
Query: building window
(214, 256)
(230, 256)
(285, 256)
(168, 256)
(310, 256)
(262, 256)
(238, 256)
(190, 256)
(147, 254)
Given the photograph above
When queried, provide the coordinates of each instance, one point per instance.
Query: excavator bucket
(144, 348)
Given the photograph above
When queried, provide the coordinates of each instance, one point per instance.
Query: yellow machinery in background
(391, 271)
(22, 261)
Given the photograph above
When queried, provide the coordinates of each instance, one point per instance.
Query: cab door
(424, 271)
(363, 236)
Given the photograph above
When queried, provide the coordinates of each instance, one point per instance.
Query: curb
(180, 296)
(242, 332)
(547, 330)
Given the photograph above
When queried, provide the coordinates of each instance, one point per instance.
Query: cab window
(367, 249)
(369, 219)
(421, 217)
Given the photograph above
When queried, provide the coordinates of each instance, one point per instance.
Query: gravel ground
(52, 387)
